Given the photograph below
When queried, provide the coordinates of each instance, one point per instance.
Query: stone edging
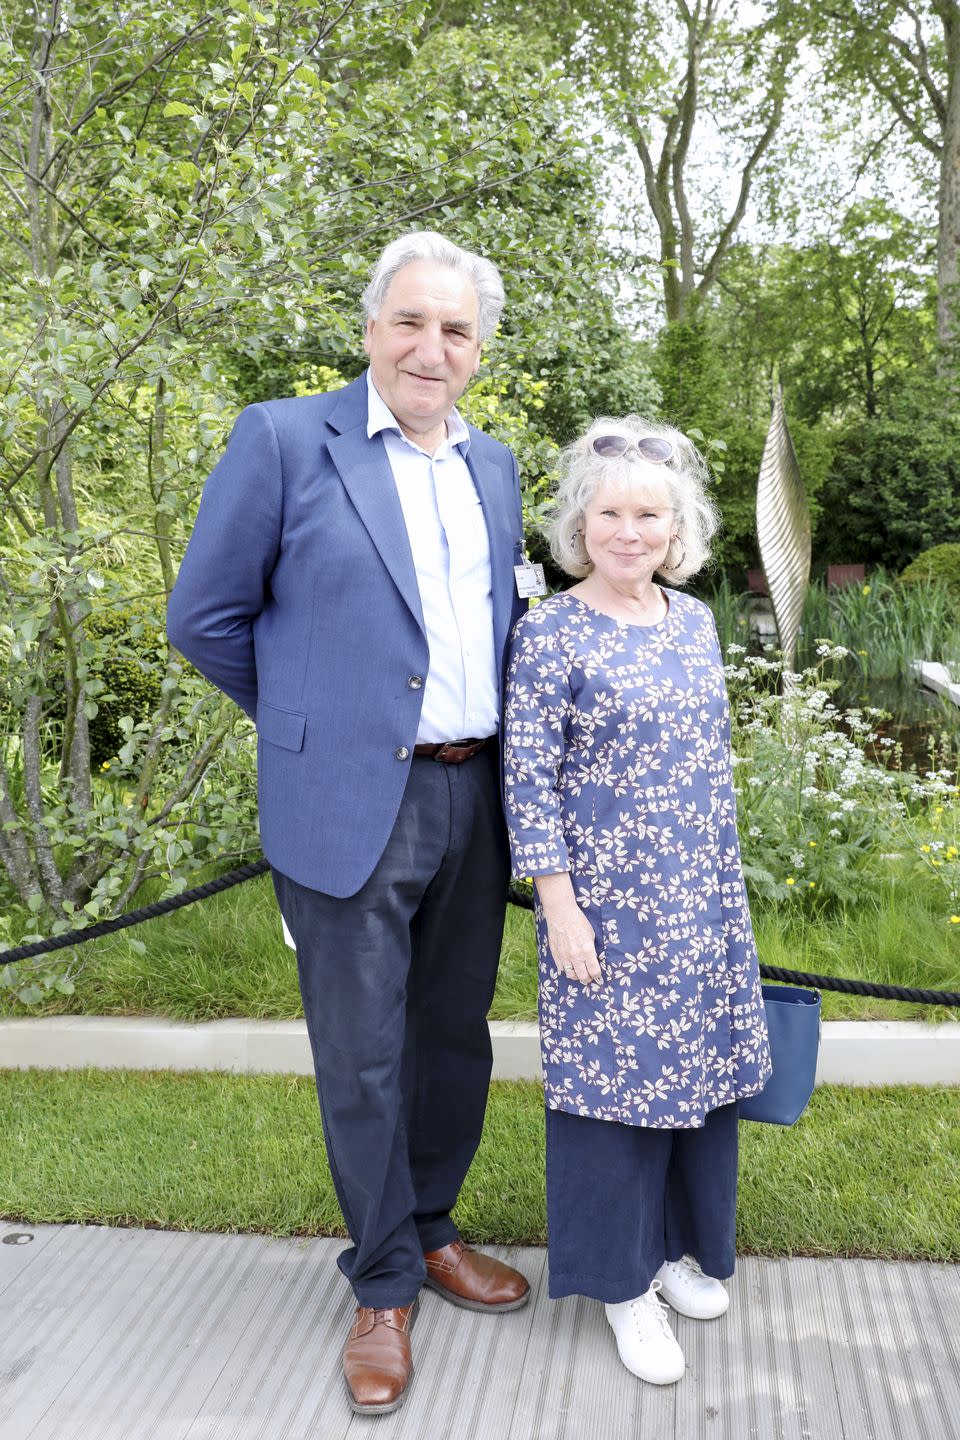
(896, 1052)
(937, 677)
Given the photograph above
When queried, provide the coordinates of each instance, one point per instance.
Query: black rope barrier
(69, 938)
(516, 896)
(819, 982)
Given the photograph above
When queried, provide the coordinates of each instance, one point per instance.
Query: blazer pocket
(281, 727)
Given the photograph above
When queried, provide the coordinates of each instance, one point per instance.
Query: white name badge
(530, 580)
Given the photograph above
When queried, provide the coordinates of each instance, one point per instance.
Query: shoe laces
(689, 1265)
(650, 1313)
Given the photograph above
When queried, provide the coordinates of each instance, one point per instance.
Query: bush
(128, 638)
(894, 488)
(941, 563)
(817, 815)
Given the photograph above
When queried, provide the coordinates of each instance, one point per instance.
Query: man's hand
(570, 935)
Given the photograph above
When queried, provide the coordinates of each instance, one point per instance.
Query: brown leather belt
(453, 752)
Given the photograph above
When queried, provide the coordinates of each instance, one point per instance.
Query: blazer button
(402, 753)
(415, 682)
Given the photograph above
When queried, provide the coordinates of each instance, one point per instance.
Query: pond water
(918, 719)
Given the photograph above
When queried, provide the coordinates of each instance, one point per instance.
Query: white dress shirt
(451, 555)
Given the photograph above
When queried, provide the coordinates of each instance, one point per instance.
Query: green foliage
(816, 813)
(884, 625)
(941, 565)
(842, 319)
(693, 369)
(129, 648)
(689, 369)
(653, 74)
(903, 59)
(219, 181)
(894, 487)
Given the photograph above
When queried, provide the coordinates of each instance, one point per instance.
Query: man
(350, 583)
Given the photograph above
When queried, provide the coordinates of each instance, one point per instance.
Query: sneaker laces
(687, 1262)
(650, 1313)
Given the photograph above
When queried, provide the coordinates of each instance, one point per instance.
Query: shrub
(894, 487)
(942, 563)
(127, 641)
(816, 813)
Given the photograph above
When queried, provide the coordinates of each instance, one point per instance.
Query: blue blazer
(298, 597)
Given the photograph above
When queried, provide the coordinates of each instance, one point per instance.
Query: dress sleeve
(538, 706)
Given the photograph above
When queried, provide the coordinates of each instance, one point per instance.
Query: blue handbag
(793, 1024)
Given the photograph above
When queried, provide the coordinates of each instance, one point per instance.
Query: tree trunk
(948, 235)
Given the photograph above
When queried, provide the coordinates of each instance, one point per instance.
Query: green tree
(190, 202)
(845, 322)
(843, 317)
(183, 187)
(894, 484)
(698, 96)
(908, 57)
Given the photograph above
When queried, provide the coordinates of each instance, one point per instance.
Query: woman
(620, 806)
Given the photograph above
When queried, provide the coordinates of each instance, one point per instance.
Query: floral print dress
(617, 768)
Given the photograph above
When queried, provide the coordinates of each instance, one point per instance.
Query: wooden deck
(110, 1334)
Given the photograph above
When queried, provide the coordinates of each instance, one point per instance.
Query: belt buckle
(453, 752)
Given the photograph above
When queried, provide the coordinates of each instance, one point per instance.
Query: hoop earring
(683, 555)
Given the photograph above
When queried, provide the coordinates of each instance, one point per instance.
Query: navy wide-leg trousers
(622, 1199)
(396, 983)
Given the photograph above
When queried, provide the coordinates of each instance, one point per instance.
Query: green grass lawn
(865, 1172)
(226, 957)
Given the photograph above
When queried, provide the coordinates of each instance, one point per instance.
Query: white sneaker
(646, 1343)
(691, 1292)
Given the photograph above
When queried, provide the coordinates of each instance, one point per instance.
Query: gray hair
(685, 477)
(428, 245)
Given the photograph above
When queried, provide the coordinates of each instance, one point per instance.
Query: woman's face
(627, 532)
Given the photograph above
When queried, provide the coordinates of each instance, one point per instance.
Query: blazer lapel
(368, 480)
(488, 478)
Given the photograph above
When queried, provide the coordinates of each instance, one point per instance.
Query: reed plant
(883, 625)
(730, 612)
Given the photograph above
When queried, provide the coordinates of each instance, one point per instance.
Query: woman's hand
(569, 933)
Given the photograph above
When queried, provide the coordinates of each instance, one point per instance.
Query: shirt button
(402, 753)
(415, 682)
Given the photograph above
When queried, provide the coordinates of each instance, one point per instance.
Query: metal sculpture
(783, 530)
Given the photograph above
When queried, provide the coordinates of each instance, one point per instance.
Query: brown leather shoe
(376, 1359)
(474, 1280)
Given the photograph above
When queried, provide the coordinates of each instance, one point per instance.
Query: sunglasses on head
(649, 447)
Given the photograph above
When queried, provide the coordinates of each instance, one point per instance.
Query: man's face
(424, 345)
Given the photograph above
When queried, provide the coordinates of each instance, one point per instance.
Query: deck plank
(111, 1333)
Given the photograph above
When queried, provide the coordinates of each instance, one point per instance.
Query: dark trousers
(396, 983)
(622, 1199)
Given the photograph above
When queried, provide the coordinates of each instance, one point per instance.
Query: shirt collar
(380, 417)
